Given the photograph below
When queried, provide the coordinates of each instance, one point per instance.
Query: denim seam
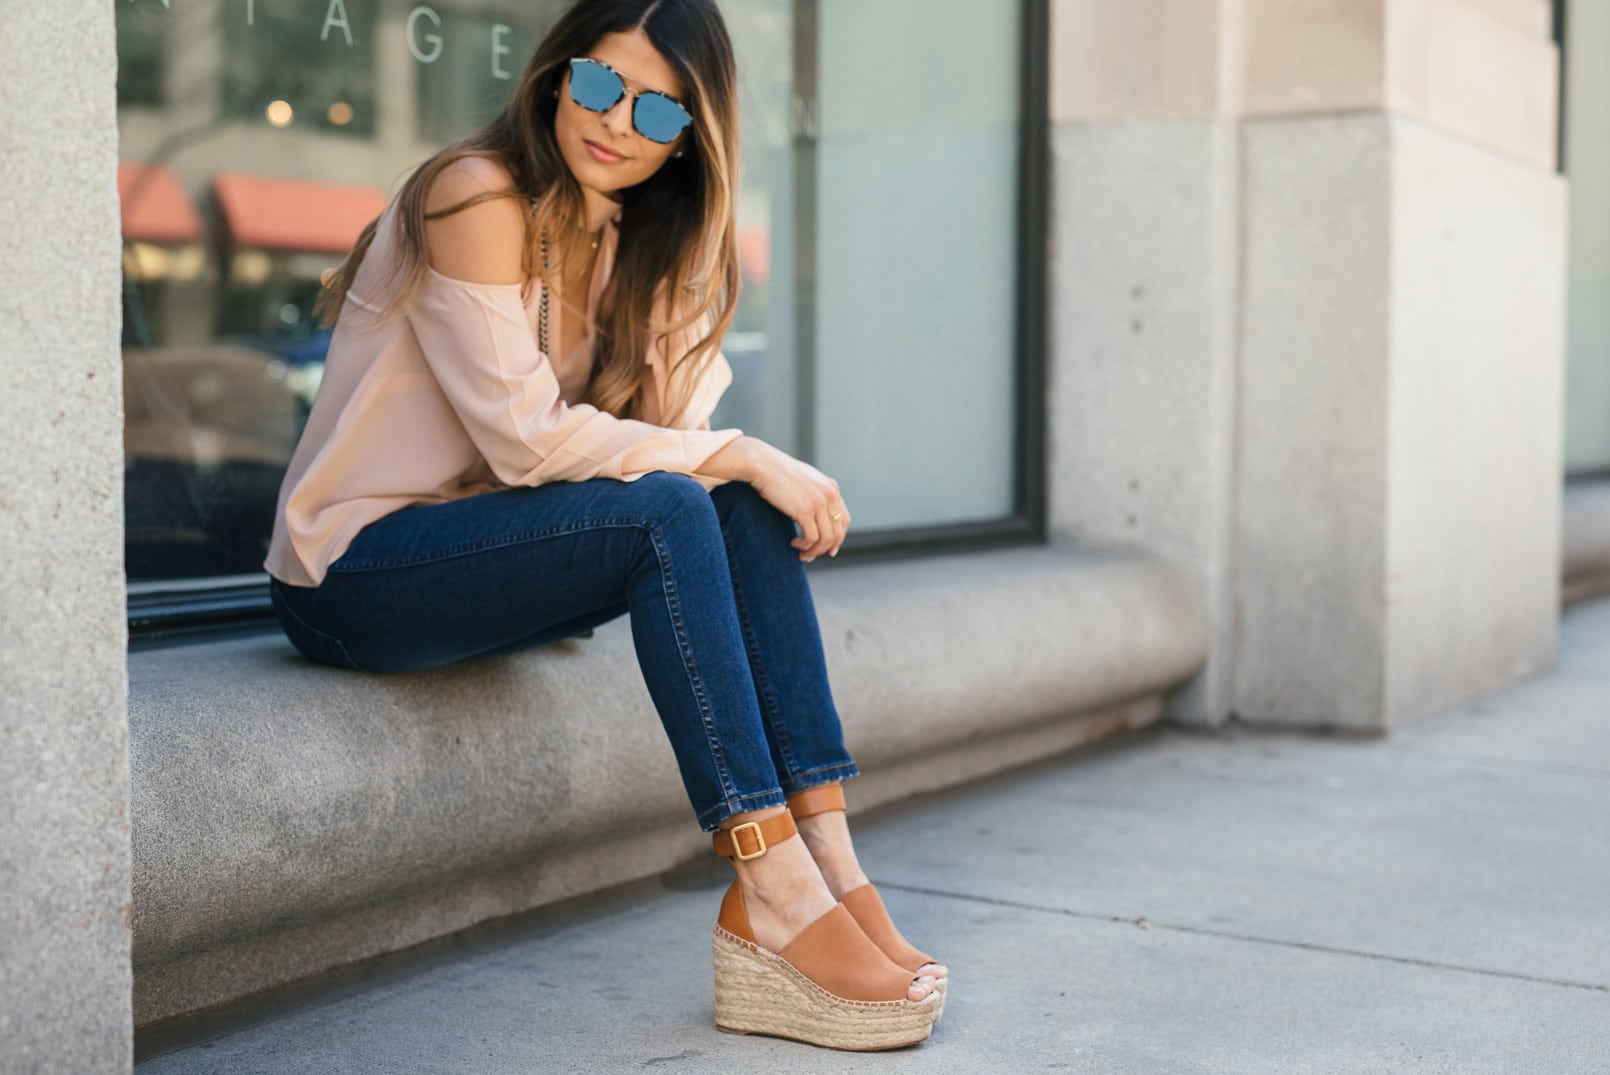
(485, 544)
(768, 696)
(310, 629)
(740, 804)
(839, 770)
(673, 608)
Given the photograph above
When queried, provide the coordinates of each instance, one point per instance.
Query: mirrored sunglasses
(597, 87)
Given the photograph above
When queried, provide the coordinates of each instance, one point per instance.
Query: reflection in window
(760, 343)
(139, 54)
(302, 63)
(208, 432)
(469, 63)
(221, 354)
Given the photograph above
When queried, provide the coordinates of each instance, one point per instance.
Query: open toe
(829, 986)
(864, 903)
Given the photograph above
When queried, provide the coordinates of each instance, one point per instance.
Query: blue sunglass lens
(658, 118)
(594, 86)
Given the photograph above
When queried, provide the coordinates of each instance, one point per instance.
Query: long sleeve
(706, 395)
(713, 382)
(478, 344)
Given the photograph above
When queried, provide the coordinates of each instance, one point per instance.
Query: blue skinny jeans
(721, 614)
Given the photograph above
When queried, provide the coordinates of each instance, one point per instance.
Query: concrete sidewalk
(1171, 902)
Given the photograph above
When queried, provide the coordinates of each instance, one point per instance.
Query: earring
(556, 95)
(678, 154)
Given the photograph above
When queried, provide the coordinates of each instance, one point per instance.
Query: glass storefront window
(878, 221)
(915, 334)
(1586, 149)
(760, 344)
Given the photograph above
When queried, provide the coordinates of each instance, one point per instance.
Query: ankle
(780, 886)
(783, 892)
(827, 837)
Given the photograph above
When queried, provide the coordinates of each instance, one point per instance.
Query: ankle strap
(817, 800)
(751, 839)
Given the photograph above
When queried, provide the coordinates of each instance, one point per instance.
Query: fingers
(844, 528)
(825, 532)
(810, 535)
(815, 506)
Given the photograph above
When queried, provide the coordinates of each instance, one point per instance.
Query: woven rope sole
(758, 992)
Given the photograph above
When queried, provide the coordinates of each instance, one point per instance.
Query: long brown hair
(678, 248)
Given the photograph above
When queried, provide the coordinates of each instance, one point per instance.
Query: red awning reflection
(156, 207)
(301, 215)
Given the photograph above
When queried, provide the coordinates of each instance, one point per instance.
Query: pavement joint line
(1510, 763)
(967, 897)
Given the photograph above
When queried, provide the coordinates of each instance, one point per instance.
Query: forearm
(742, 460)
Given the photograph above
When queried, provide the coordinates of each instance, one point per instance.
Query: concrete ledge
(1585, 552)
(289, 817)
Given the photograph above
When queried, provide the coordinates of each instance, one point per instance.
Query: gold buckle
(737, 849)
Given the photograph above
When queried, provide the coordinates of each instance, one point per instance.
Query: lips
(603, 154)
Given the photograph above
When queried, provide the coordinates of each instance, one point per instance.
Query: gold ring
(838, 518)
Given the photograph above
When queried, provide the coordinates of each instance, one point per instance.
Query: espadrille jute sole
(758, 992)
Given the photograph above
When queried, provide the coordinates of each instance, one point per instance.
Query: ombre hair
(676, 269)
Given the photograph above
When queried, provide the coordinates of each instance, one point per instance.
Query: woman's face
(603, 151)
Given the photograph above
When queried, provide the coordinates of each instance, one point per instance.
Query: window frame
(194, 611)
(1557, 33)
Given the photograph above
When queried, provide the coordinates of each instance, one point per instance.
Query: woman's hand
(795, 488)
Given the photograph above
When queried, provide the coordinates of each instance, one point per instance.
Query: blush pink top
(453, 398)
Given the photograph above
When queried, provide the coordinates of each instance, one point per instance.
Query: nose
(619, 117)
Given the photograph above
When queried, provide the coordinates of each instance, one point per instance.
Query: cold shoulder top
(454, 398)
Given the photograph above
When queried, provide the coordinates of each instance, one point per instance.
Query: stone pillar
(1309, 300)
(1143, 297)
(64, 830)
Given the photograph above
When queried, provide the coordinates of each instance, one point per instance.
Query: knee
(738, 500)
(674, 501)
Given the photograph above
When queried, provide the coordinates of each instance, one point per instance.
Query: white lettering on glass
(433, 40)
(500, 49)
(336, 16)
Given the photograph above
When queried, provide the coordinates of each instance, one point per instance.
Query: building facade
(1265, 360)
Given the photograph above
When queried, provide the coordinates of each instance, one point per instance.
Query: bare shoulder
(463, 179)
(484, 243)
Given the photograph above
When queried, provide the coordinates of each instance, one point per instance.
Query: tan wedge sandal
(829, 986)
(864, 903)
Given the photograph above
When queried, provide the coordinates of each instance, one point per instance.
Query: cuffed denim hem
(794, 783)
(712, 818)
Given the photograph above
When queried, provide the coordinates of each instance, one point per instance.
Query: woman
(512, 443)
